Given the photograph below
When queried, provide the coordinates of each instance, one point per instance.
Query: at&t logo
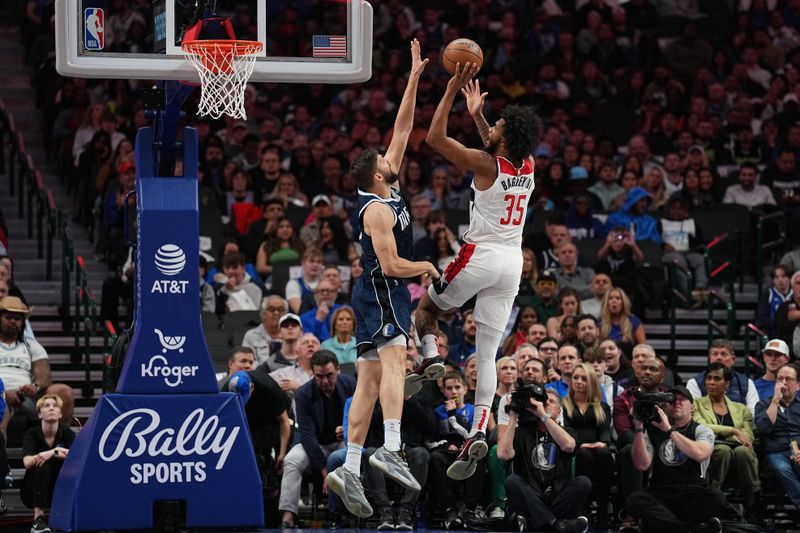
(170, 261)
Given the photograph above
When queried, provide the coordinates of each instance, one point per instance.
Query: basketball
(461, 51)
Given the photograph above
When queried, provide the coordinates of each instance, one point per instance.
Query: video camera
(644, 407)
(521, 399)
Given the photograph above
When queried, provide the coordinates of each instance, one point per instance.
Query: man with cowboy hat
(24, 367)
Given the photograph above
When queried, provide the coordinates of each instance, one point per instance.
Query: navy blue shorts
(383, 311)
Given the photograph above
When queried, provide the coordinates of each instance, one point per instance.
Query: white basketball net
(224, 68)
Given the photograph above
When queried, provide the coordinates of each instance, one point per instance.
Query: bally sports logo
(169, 260)
(138, 434)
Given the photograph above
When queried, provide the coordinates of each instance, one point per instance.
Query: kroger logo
(159, 367)
(170, 343)
(170, 259)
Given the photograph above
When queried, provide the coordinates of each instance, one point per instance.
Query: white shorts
(374, 354)
(489, 271)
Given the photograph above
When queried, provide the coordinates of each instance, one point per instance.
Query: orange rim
(238, 48)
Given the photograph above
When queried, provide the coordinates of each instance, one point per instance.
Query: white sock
(430, 346)
(353, 460)
(391, 434)
(480, 419)
(486, 343)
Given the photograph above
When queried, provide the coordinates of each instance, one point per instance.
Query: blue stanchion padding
(140, 449)
(168, 434)
(167, 353)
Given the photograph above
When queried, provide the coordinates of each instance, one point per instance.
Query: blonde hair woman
(342, 341)
(653, 183)
(588, 417)
(616, 320)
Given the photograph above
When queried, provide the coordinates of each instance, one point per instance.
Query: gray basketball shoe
(394, 465)
(349, 488)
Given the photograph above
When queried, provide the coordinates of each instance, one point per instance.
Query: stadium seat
(280, 276)
(236, 323)
(587, 251)
(348, 368)
(734, 220)
(218, 348)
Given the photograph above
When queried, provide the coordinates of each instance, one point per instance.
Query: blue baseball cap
(543, 150)
(578, 173)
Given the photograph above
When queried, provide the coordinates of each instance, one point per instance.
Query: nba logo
(94, 20)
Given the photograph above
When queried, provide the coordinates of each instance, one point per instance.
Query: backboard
(310, 41)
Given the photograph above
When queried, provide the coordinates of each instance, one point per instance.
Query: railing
(752, 363)
(44, 220)
(4, 127)
(67, 268)
(761, 247)
(727, 268)
(86, 314)
(674, 296)
(728, 264)
(27, 184)
(729, 331)
(109, 338)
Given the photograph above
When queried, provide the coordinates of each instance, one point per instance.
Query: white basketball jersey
(497, 215)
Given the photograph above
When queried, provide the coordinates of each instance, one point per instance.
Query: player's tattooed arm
(475, 100)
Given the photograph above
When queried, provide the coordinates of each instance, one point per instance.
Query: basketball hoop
(224, 67)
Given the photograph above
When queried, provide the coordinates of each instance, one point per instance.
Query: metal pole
(40, 227)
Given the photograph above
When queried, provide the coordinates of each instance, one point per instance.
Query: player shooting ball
(489, 264)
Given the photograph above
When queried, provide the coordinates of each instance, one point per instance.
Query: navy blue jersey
(401, 230)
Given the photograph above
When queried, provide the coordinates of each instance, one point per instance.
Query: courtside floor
(20, 526)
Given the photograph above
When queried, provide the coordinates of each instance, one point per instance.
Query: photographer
(650, 375)
(541, 490)
(533, 373)
(678, 450)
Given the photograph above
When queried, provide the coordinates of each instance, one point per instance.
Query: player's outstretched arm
(475, 99)
(378, 222)
(477, 161)
(404, 122)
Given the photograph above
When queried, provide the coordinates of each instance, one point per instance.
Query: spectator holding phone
(620, 258)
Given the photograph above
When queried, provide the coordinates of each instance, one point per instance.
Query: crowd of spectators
(655, 113)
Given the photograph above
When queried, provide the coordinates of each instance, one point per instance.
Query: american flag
(329, 45)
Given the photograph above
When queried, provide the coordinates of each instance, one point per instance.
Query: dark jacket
(587, 227)
(777, 437)
(311, 413)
